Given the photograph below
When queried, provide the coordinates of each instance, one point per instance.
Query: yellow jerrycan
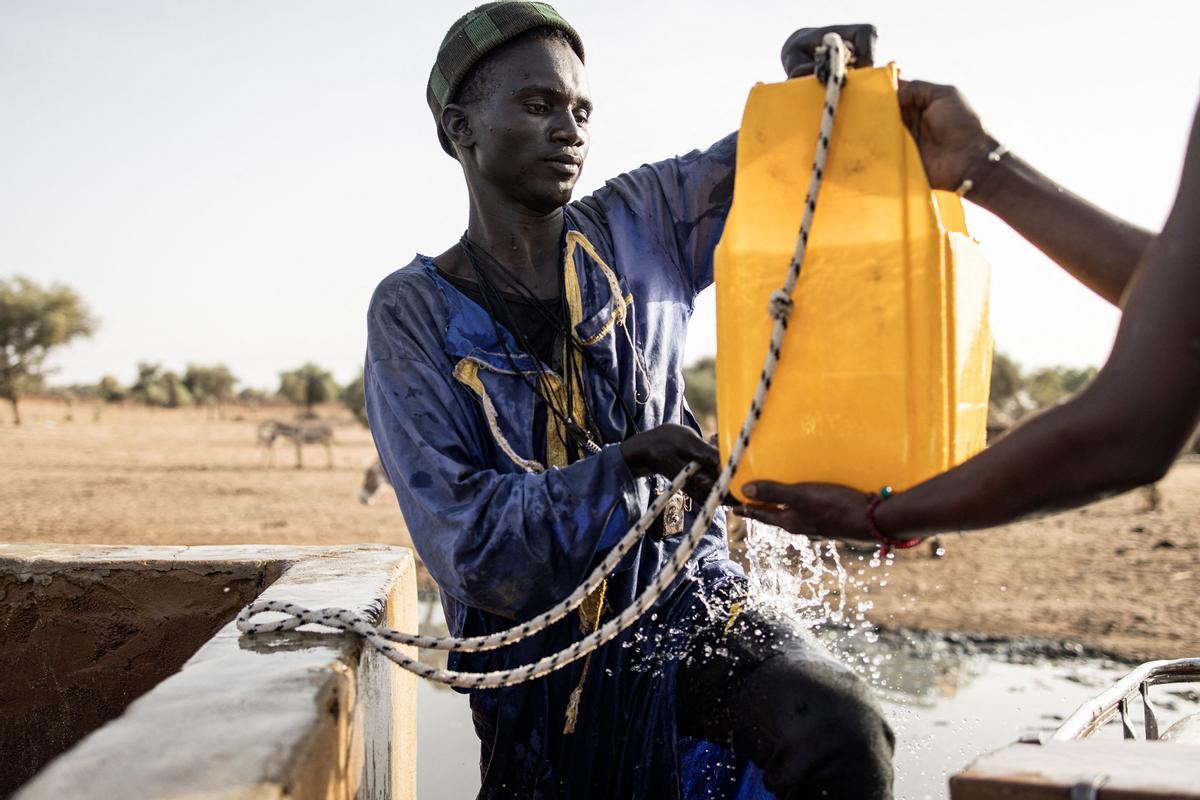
(884, 373)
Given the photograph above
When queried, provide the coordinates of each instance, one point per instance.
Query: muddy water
(447, 749)
(954, 701)
(948, 696)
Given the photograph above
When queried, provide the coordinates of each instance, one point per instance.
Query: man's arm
(682, 202)
(1098, 249)
(1123, 431)
(686, 199)
(508, 543)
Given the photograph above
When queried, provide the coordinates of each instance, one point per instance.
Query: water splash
(822, 588)
(794, 576)
(808, 581)
(826, 588)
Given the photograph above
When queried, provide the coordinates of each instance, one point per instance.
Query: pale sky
(227, 180)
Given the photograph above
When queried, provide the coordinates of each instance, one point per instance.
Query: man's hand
(823, 510)
(800, 50)
(949, 135)
(666, 450)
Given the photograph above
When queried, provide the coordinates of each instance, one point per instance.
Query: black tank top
(520, 314)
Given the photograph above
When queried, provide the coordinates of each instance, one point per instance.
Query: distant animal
(301, 434)
(375, 477)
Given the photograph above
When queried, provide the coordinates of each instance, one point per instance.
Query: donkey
(375, 477)
(302, 434)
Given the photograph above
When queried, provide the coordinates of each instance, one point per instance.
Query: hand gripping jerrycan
(884, 372)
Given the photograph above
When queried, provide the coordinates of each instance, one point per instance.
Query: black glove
(799, 54)
(666, 450)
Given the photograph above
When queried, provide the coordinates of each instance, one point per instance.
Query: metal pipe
(1088, 718)
(1151, 717)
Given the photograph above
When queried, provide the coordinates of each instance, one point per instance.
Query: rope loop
(831, 57)
(840, 57)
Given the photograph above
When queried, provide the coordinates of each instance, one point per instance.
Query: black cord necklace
(476, 254)
(572, 367)
(581, 439)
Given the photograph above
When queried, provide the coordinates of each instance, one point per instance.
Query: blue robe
(469, 448)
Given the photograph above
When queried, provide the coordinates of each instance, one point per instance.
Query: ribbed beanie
(476, 34)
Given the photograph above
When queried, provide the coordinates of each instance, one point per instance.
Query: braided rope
(832, 70)
(298, 616)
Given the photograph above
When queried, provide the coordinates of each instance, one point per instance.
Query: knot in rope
(780, 306)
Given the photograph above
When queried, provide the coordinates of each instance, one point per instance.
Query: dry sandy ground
(157, 476)
(1113, 576)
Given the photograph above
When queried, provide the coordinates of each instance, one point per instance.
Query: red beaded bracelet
(886, 542)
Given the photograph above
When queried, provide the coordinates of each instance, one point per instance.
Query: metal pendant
(673, 515)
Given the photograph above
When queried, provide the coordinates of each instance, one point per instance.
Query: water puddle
(950, 697)
(953, 706)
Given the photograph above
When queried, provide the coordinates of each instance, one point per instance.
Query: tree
(148, 387)
(700, 387)
(33, 321)
(109, 390)
(1006, 382)
(1052, 384)
(1045, 386)
(210, 385)
(252, 395)
(353, 397)
(308, 386)
(1074, 380)
(161, 389)
(176, 391)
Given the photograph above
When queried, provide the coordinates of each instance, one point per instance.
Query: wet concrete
(302, 715)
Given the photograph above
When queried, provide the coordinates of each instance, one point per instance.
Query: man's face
(530, 132)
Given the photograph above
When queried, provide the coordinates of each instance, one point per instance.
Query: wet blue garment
(464, 438)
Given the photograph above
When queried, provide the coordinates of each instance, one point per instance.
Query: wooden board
(1132, 771)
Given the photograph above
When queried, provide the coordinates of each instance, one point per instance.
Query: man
(1123, 431)
(525, 394)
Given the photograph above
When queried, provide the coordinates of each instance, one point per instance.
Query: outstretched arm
(1123, 431)
(1098, 249)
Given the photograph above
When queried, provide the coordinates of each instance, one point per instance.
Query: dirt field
(1113, 576)
(180, 476)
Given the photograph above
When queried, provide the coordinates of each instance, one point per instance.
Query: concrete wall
(82, 641)
(298, 715)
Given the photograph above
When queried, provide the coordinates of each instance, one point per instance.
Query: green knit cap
(477, 33)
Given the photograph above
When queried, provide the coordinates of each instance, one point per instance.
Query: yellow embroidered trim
(572, 715)
(621, 302)
(556, 434)
(734, 611)
(577, 239)
(467, 373)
